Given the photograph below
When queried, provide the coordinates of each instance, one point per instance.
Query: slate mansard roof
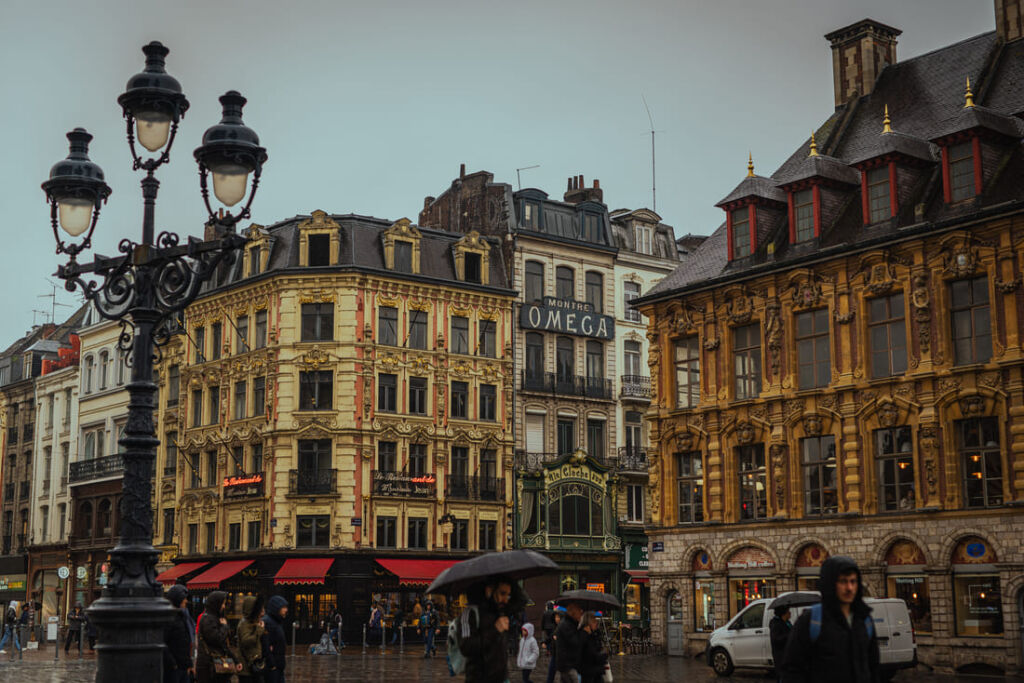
(925, 98)
(361, 249)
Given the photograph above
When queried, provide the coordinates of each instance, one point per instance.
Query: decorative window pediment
(319, 240)
(402, 247)
(472, 258)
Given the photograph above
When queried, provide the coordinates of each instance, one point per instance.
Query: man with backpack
(834, 640)
(429, 625)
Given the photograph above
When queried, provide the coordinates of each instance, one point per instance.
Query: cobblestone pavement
(39, 667)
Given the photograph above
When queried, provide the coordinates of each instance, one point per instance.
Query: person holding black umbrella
(486, 645)
(779, 628)
(570, 644)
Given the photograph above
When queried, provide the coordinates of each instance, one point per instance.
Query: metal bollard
(339, 640)
(56, 644)
(293, 638)
(383, 638)
(401, 640)
(21, 650)
(364, 639)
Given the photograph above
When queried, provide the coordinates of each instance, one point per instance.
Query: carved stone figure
(812, 425)
(920, 299)
(773, 334)
(745, 433)
(888, 415)
(778, 458)
(928, 438)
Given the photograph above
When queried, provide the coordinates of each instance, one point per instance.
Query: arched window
(103, 517)
(595, 291)
(90, 445)
(90, 365)
(535, 356)
(534, 284)
(104, 369)
(85, 520)
(121, 365)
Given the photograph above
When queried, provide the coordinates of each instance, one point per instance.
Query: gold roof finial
(886, 123)
(750, 164)
(814, 146)
(968, 95)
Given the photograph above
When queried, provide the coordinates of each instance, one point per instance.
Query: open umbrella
(795, 599)
(512, 564)
(591, 599)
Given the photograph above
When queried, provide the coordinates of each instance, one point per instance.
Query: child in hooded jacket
(529, 651)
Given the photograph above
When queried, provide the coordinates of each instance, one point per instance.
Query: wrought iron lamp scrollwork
(146, 288)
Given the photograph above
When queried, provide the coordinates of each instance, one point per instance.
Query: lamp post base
(130, 638)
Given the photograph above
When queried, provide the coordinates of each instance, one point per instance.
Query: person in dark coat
(178, 638)
(553, 646)
(779, 628)
(250, 640)
(75, 618)
(547, 625)
(593, 655)
(844, 651)
(273, 639)
(486, 645)
(570, 644)
(90, 632)
(214, 639)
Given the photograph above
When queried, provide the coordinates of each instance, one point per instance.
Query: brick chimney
(1010, 19)
(576, 192)
(859, 53)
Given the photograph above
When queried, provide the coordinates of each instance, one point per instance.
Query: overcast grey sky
(367, 107)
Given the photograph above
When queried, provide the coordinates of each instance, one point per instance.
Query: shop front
(750, 575)
(44, 583)
(13, 580)
(636, 593)
(400, 592)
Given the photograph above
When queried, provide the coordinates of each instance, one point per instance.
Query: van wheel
(721, 662)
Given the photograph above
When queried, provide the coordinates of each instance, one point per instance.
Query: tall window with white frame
(818, 459)
(635, 502)
(753, 482)
(803, 212)
(459, 342)
(565, 283)
(961, 171)
(887, 335)
(318, 322)
(814, 359)
(630, 291)
(417, 330)
(972, 328)
(879, 199)
(894, 453)
(690, 487)
(977, 441)
(534, 282)
(631, 361)
(740, 219)
(387, 325)
(687, 363)
(642, 237)
(595, 291)
(746, 353)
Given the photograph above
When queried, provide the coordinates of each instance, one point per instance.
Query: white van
(744, 641)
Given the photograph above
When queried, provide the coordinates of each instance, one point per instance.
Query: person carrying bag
(250, 641)
(214, 663)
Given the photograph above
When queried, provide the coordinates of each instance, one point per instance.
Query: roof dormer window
(803, 214)
(642, 235)
(740, 228)
(319, 250)
(878, 182)
(960, 171)
(471, 264)
(472, 258)
(403, 256)
(531, 215)
(592, 229)
(402, 247)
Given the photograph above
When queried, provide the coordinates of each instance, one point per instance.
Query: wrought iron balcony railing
(631, 459)
(567, 385)
(635, 386)
(84, 470)
(312, 482)
(464, 487)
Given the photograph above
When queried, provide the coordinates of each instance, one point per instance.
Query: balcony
(635, 386)
(97, 468)
(403, 484)
(567, 385)
(532, 462)
(463, 487)
(312, 482)
(631, 459)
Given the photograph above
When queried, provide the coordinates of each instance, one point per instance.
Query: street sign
(63, 572)
(657, 546)
(80, 572)
(357, 521)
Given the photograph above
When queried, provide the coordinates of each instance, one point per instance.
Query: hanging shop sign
(636, 556)
(243, 487)
(12, 583)
(402, 484)
(567, 316)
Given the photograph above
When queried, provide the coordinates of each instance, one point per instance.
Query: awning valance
(213, 576)
(416, 572)
(303, 570)
(638, 575)
(169, 577)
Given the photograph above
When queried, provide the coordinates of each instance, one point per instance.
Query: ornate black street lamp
(145, 288)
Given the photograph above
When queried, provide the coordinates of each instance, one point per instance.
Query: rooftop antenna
(654, 184)
(524, 168)
(52, 296)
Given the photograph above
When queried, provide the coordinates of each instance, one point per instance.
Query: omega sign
(567, 317)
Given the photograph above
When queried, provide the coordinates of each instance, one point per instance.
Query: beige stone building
(339, 405)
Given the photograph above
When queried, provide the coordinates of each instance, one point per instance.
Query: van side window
(753, 617)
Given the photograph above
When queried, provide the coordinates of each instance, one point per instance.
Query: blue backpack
(815, 625)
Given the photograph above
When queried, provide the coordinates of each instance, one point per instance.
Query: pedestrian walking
(273, 639)
(75, 618)
(559, 611)
(529, 652)
(397, 623)
(178, 638)
(25, 621)
(249, 636)
(376, 624)
(10, 627)
(214, 658)
(429, 626)
(570, 644)
(485, 645)
(778, 629)
(547, 625)
(834, 640)
(593, 655)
